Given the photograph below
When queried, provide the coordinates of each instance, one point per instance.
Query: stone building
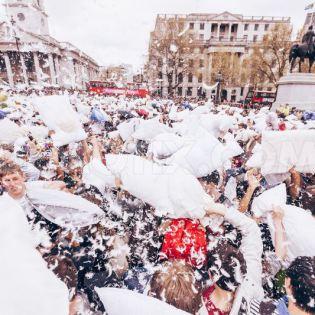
(120, 74)
(210, 33)
(309, 20)
(30, 56)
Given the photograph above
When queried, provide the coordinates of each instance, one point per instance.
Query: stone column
(73, 74)
(229, 31)
(37, 68)
(9, 69)
(164, 77)
(58, 73)
(208, 92)
(22, 60)
(210, 25)
(218, 30)
(52, 69)
(237, 31)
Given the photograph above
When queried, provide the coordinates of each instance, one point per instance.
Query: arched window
(200, 78)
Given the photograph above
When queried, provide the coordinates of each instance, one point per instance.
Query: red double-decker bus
(110, 88)
(260, 98)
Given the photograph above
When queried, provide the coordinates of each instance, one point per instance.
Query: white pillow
(256, 160)
(276, 196)
(96, 174)
(148, 129)
(58, 115)
(127, 128)
(165, 144)
(10, 131)
(123, 302)
(299, 227)
(171, 190)
(200, 158)
(285, 149)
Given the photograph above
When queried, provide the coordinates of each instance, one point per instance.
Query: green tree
(269, 59)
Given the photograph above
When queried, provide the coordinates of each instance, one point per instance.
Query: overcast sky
(117, 31)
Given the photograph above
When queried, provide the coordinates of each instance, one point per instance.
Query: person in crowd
(175, 283)
(93, 232)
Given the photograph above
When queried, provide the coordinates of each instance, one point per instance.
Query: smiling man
(65, 225)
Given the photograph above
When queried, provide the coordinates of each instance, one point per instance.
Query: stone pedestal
(297, 90)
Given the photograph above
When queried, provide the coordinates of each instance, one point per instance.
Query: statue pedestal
(297, 90)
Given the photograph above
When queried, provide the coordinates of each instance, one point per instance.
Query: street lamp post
(160, 86)
(17, 39)
(218, 93)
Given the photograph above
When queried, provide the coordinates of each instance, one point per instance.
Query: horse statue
(302, 52)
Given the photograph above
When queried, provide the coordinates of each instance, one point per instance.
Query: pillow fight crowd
(155, 206)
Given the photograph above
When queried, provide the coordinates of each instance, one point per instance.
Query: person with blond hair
(175, 283)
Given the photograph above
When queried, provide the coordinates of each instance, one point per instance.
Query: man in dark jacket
(308, 39)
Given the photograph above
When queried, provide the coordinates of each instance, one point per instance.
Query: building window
(180, 78)
(201, 63)
(245, 37)
(179, 91)
(190, 63)
(200, 78)
(2, 64)
(266, 27)
(191, 26)
(181, 62)
(190, 77)
(170, 77)
(246, 27)
(201, 36)
(202, 26)
(256, 27)
(171, 63)
(199, 92)
(255, 38)
(189, 91)
(234, 28)
(160, 62)
(21, 16)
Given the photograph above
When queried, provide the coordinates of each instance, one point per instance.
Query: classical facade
(30, 56)
(210, 33)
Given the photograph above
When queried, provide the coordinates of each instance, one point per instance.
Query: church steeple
(30, 15)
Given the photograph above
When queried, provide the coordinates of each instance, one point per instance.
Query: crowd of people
(192, 207)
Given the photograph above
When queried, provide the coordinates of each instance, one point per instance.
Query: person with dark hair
(300, 288)
(300, 292)
(308, 38)
(236, 273)
(210, 183)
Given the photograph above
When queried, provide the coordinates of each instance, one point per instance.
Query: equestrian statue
(303, 51)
